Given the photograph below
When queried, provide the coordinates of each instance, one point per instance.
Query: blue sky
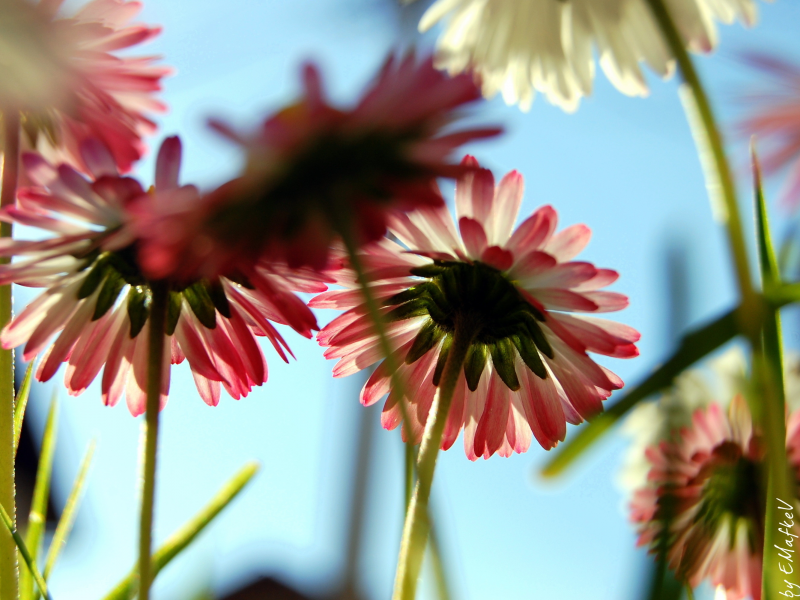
(625, 167)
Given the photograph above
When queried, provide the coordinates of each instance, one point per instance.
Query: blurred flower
(62, 76)
(97, 297)
(527, 370)
(314, 171)
(699, 498)
(519, 47)
(775, 121)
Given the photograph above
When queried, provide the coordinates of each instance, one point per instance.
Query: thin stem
(410, 465)
(416, 527)
(9, 571)
(158, 314)
(23, 550)
(713, 140)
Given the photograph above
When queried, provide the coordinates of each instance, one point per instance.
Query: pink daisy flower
(63, 76)
(527, 370)
(775, 121)
(704, 483)
(314, 171)
(97, 300)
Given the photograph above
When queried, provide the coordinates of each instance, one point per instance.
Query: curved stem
(9, 572)
(155, 364)
(709, 141)
(416, 527)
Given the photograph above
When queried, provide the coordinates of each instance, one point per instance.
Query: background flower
(315, 171)
(65, 78)
(97, 298)
(519, 47)
(528, 368)
(774, 119)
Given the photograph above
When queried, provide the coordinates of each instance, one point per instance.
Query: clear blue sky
(625, 167)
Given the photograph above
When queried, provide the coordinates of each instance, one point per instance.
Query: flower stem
(718, 172)
(9, 572)
(158, 314)
(416, 527)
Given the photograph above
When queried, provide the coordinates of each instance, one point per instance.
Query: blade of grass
(23, 550)
(41, 494)
(128, 587)
(21, 403)
(69, 513)
(768, 403)
(694, 346)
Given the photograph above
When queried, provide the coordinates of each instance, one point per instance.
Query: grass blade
(23, 550)
(694, 346)
(20, 403)
(41, 494)
(69, 513)
(768, 406)
(179, 540)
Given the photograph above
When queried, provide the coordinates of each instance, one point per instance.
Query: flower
(62, 75)
(97, 298)
(314, 170)
(527, 369)
(519, 47)
(775, 121)
(698, 499)
(705, 485)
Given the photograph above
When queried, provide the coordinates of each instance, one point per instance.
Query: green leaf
(475, 364)
(41, 494)
(175, 302)
(694, 346)
(20, 403)
(69, 513)
(442, 360)
(217, 294)
(766, 253)
(112, 286)
(128, 587)
(503, 358)
(201, 304)
(530, 355)
(429, 335)
(138, 308)
(93, 279)
(23, 550)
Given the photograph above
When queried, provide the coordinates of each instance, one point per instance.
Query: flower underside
(346, 170)
(499, 317)
(731, 484)
(112, 271)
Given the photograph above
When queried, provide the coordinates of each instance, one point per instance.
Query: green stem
(9, 572)
(416, 527)
(26, 556)
(709, 141)
(158, 314)
(410, 464)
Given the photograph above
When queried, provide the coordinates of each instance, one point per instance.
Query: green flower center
(110, 272)
(483, 296)
(731, 485)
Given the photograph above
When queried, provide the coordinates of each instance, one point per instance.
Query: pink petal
(474, 237)
(168, 164)
(567, 244)
(534, 232)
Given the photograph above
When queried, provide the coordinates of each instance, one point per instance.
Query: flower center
(483, 296)
(346, 170)
(731, 486)
(111, 272)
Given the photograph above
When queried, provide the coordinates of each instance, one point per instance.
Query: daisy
(527, 370)
(705, 484)
(775, 120)
(519, 47)
(97, 300)
(315, 171)
(62, 75)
